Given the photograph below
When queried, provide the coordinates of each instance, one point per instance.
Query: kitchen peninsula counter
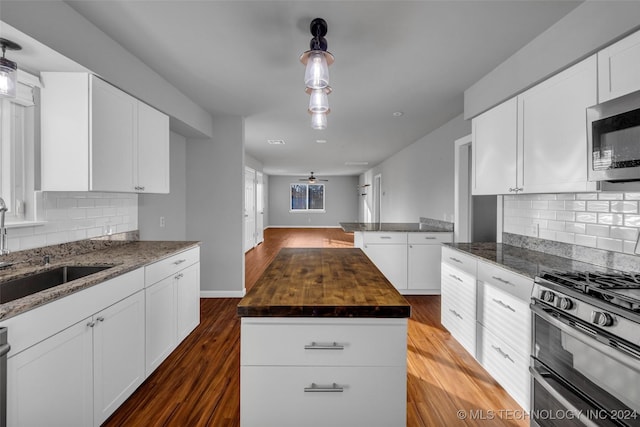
(323, 341)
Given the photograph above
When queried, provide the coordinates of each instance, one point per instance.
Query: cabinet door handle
(502, 304)
(453, 276)
(100, 319)
(178, 276)
(333, 388)
(316, 346)
(502, 353)
(180, 261)
(506, 282)
(455, 259)
(455, 313)
(91, 324)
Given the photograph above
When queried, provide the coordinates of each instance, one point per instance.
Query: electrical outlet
(162, 222)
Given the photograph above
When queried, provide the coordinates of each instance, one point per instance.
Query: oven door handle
(557, 395)
(600, 341)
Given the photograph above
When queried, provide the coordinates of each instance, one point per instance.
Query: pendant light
(316, 75)
(8, 70)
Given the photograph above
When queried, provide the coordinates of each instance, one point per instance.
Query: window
(17, 148)
(307, 198)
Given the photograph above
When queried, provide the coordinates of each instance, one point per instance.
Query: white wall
(215, 198)
(418, 181)
(72, 216)
(606, 220)
(341, 203)
(589, 27)
(172, 206)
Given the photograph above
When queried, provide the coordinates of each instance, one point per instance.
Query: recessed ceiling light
(356, 163)
(321, 141)
(275, 141)
(397, 113)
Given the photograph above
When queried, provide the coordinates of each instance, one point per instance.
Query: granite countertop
(526, 262)
(350, 227)
(315, 282)
(123, 258)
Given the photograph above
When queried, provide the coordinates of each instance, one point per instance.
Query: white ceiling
(242, 58)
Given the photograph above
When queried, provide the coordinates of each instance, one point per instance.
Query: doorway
(377, 199)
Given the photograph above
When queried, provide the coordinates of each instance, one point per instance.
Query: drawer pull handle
(455, 259)
(178, 276)
(385, 237)
(334, 388)
(502, 353)
(315, 346)
(453, 276)
(506, 282)
(455, 313)
(180, 261)
(507, 306)
(429, 238)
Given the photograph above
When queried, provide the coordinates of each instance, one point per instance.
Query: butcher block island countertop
(323, 342)
(323, 283)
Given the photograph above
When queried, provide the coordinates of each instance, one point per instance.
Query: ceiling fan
(312, 179)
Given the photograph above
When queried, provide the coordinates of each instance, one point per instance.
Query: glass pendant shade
(316, 75)
(319, 121)
(318, 101)
(8, 78)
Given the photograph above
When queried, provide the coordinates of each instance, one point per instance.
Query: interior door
(259, 208)
(249, 209)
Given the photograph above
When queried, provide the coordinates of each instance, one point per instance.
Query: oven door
(581, 375)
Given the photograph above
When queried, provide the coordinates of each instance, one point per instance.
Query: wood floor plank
(199, 383)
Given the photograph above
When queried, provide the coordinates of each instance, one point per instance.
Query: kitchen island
(323, 342)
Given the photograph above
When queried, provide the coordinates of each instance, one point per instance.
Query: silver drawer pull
(385, 237)
(455, 259)
(453, 276)
(430, 238)
(334, 388)
(180, 261)
(455, 313)
(507, 306)
(316, 346)
(178, 276)
(502, 353)
(506, 282)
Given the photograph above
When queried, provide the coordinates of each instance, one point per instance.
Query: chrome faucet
(3, 231)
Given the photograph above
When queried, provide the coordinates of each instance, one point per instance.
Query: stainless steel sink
(18, 288)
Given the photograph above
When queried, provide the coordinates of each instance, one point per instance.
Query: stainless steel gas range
(586, 349)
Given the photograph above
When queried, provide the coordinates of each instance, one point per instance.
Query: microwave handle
(598, 340)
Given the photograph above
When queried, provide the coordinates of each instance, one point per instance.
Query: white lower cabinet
(172, 304)
(79, 376)
(423, 261)
(388, 251)
(318, 372)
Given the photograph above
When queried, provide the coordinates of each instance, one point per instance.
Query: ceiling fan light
(316, 75)
(319, 121)
(318, 101)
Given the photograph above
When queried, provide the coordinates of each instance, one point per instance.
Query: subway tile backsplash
(606, 220)
(71, 216)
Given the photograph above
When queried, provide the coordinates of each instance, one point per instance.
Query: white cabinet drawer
(512, 283)
(170, 265)
(429, 238)
(323, 342)
(506, 316)
(508, 366)
(376, 237)
(460, 260)
(275, 396)
(461, 287)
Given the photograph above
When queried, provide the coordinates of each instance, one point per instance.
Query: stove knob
(601, 319)
(565, 303)
(547, 296)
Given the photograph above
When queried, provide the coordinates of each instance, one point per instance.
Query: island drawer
(170, 265)
(352, 396)
(323, 341)
(459, 260)
(422, 238)
(380, 237)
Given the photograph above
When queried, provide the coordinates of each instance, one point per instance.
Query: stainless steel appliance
(4, 349)
(586, 349)
(613, 134)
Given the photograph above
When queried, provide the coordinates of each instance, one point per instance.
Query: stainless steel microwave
(613, 134)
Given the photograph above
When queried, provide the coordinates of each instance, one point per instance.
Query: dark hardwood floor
(198, 385)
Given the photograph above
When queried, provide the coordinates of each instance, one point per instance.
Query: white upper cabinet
(537, 142)
(619, 68)
(494, 135)
(552, 130)
(95, 137)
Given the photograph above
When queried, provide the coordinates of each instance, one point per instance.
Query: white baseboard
(223, 294)
(303, 226)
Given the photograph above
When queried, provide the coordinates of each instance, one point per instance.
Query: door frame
(462, 206)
